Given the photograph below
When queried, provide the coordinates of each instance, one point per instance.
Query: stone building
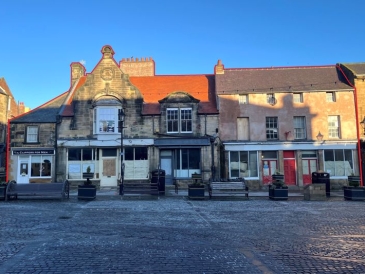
(293, 120)
(236, 122)
(9, 109)
(168, 124)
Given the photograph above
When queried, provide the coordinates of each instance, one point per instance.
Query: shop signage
(33, 152)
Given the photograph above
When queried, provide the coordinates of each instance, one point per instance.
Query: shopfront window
(186, 162)
(243, 164)
(338, 162)
(78, 161)
(41, 166)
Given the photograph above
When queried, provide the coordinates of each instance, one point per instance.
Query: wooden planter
(354, 193)
(196, 191)
(86, 192)
(276, 193)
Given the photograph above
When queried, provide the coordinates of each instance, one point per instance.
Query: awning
(176, 142)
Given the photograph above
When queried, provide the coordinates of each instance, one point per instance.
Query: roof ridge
(284, 67)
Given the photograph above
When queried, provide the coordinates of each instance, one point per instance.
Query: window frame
(98, 120)
(28, 134)
(333, 128)
(268, 127)
(243, 99)
(81, 162)
(297, 129)
(345, 155)
(179, 120)
(39, 165)
(251, 164)
(296, 96)
(330, 97)
(270, 98)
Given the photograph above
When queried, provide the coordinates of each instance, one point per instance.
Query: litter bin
(158, 177)
(322, 178)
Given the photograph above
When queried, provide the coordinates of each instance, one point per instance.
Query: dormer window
(179, 120)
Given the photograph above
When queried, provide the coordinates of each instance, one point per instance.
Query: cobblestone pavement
(176, 235)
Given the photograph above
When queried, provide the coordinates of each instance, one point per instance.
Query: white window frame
(32, 134)
(298, 97)
(246, 169)
(334, 126)
(269, 125)
(172, 119)
(76, 167)
(179, 117)
(299, 127)
(340, 163)
(330, 96)
(106, 117)
(243, 99)
(186, 120)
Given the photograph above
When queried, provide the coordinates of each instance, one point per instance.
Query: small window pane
(74, 154)
(141, 153)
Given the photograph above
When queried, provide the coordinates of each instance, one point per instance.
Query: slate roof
(155, 88)
(356, 68)
(46, 113)
(280, 79)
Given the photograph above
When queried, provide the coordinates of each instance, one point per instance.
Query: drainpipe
(357, 126)
(7, 147)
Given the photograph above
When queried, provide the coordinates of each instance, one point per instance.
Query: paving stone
(176, 235)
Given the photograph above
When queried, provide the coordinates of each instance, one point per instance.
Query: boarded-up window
(243, 132)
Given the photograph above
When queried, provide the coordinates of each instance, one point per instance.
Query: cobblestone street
(176, 235)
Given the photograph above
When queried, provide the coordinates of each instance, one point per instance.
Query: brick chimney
(77, 70)
(219, 68)
(136, 67)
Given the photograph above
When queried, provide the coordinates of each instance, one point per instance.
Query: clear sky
(41, 38)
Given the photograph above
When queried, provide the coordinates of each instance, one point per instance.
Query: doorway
(23, 172)
(108, 167)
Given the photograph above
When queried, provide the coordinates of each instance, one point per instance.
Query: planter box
(277, 177)
(278, 193)
(86, 192)
(196, 191)
(2, 192)
(354, 179)
(87, 175)
(354, 193)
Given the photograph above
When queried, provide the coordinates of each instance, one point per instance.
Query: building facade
(9, 109)
(168, 123)
(292, 120)
(122, 118)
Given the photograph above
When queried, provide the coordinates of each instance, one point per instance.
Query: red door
(289, 168)
(309, 166)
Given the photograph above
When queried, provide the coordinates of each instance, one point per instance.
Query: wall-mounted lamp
(362, 123)
(319, 136)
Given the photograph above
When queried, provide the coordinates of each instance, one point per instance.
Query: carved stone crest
(107, 74)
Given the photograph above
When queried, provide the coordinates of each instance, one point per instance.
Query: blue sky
(41, 38)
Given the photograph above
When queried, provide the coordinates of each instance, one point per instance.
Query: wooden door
(289, 168)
